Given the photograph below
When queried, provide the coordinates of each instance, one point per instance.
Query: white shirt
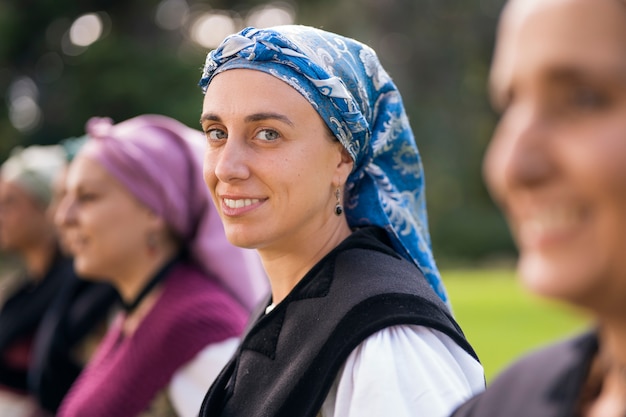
(190, 384)
(404, 371)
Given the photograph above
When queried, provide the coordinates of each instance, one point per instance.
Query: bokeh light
(86, 30)
(209, 29)
(273, 14)
(24, 112)
(171, 14)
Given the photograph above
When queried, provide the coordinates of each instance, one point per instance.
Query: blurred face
(271, 164)
(58, 192)
(557, 161)
(23, 220)
(105, 226)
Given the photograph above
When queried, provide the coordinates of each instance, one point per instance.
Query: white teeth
(550, 221)
(230, 203)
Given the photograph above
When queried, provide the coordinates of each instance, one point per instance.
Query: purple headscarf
(159, 160)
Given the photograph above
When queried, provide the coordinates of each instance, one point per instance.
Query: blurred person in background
(71, 146)
(311, 161)
(137, 215)
(75, 322)
(27, 231)
(50, 325)
(556, 166)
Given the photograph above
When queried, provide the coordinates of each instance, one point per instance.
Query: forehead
(8, 188)
(537, 37)
(241, 88)
(84, 171)
(14, 192)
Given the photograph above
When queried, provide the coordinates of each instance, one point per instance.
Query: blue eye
(267, 135)
(215, 134)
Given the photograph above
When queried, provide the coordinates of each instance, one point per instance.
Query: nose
(519, 153)
(230, 161)
(65, 214)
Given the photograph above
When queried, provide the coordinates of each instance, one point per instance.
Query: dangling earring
(338, 206)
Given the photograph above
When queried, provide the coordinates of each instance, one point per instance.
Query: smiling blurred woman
(556, 166)
(136, 215)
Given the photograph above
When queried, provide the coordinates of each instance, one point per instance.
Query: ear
(344, 166)
(154, 222)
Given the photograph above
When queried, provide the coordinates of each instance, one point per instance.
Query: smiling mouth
(241, 203)
(550, 222)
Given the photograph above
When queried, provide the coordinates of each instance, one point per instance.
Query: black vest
(289, 358)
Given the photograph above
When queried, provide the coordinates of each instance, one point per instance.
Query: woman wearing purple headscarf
(137, 215)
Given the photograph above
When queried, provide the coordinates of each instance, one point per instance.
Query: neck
(134, 287)
(613, 342)
(134, 318)
(39, 256)
(130, 282)
(285, 267)
(607, 377)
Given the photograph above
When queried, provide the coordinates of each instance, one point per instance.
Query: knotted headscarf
(159, 160)
(346, 84)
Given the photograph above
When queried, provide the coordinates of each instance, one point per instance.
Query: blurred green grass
(502, 320)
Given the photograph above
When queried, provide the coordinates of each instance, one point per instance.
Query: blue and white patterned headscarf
(346, 84)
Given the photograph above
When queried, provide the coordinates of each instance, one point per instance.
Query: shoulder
(423, 350)
(187, 286)
(193, 303)
(552, 372)
(422, 371)
(368, 259)
(384, 289)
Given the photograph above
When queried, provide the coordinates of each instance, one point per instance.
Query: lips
(75, 242)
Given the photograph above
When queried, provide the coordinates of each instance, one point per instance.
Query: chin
(560, 280)
(85, 269)
(242, 237)
(242, 242)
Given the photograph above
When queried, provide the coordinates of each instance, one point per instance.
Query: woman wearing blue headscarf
(310, 159)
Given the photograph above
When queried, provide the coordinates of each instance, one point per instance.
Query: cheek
(208, 168)
(494, 168)
(208, 171)
(30, 220)
(598, 161)
(114, 237)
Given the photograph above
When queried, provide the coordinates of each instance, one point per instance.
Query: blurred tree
(437, 51)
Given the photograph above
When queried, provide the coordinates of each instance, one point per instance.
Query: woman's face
(105, 226)
(557, 161)
(271, 164)
(58, 192)
(23, 220)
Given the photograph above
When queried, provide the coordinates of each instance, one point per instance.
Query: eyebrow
(256, 117)
(578, 75)
(562, 75)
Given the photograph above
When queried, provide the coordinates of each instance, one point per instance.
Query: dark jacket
(546, 383)
(21, 315)
(290, 357)
(79, 313)
(48, 321)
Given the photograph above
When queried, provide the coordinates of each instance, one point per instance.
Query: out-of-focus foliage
(437, 51)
